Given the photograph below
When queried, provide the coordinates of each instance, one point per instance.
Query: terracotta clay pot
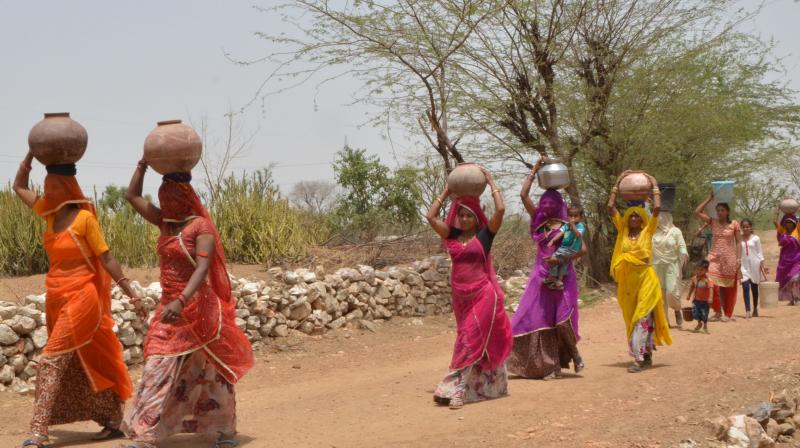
(635, 186)
(172, 147)
(466, 179)
(57, 139)
(789, 206)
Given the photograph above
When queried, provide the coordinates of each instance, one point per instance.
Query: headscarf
(790, 218)
(643, 249)
(60, 189)
(551, 206)
(471, 203)
(665, 222)
(179, 202)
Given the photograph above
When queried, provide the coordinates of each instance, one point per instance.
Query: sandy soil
(360, 389)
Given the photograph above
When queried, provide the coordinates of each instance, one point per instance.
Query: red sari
(483, 338)
(192, 364)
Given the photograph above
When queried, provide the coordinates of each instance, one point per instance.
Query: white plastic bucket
(723, 192)
(768, 294)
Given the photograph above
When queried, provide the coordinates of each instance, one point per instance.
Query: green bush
(21, 249)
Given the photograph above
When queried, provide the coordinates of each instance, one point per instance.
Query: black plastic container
(667, 196)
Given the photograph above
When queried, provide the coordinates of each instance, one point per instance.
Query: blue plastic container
(723, 192)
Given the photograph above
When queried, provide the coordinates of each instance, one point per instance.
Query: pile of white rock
(304, 300)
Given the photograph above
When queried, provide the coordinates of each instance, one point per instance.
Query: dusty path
(354, 389)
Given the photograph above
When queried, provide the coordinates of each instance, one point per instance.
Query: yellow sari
(638, 289)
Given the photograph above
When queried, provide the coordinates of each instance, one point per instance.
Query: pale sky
(119, 67)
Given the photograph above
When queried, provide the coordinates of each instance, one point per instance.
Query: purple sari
(545, 325)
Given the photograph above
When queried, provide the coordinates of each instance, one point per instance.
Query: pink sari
(483, 339)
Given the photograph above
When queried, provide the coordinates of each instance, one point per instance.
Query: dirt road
(356, 389)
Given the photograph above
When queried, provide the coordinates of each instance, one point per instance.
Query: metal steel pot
(553, 175)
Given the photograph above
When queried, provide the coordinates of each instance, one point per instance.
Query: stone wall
(311, 302)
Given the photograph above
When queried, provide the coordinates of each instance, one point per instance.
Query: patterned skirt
(791, 290)
(544, 352)
(64, 395)
(183, 394)
(476, 384)
(641, 342)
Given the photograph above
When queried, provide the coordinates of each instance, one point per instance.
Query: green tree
(374, 197)
(113, 198)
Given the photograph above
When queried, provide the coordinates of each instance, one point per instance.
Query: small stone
(7, 335)
(31, 370)
(127, 335)
(117, 306)
(786, 429)
(337, 323)
(136, 353)
(772, 428)
(308, 277)
(37, 301)
(296, 366)
(250, 288)
(22, 325)
(19, 386)
(300, 312)
(241, 323)
(7, 374)
(291, 278)
(417, 322)
(783, 415)
(681, 419)
(18, 362)
(367, 325)
(28, 345)
(306, 327)
(280, 331)
(253, 323)
(8, 311)
(354, 315)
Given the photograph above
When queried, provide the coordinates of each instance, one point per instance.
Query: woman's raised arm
(134, 196)
(21, 181)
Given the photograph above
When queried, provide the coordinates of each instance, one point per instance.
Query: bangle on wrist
(495, 190)
(182, 299)
(122, 279)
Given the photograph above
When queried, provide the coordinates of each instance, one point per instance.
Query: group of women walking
(648, 259)
(194, 352)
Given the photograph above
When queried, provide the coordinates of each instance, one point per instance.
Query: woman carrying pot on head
(483, 336)
(82, 375)
(723, 257)
(545, 325)
(669, 257)
(194, 352)
(788, 273)
(753, 270)
(638, 289)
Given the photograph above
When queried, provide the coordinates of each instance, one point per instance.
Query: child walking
(700, 293)
(753, 270)
(571, 239)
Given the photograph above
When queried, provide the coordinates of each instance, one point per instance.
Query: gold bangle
(439, 201)
(615, 190)
(496, 190)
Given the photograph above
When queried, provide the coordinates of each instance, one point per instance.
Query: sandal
(634, 368)
(108, 433)
(222, 442)
(33, 443)
(579, 365)
(457, 402)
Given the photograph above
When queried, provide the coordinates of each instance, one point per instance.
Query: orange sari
(78, 303)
